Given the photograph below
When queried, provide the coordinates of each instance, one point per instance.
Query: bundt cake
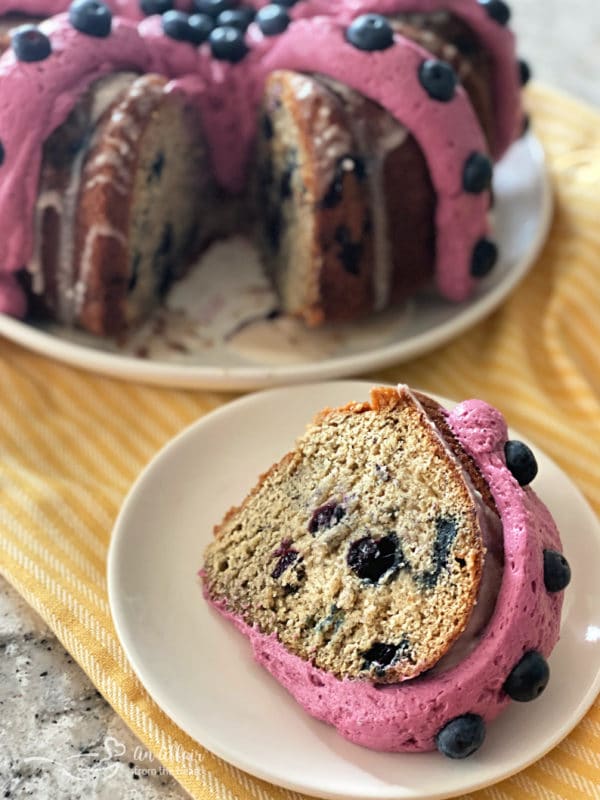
(354, 140)
(396, 573)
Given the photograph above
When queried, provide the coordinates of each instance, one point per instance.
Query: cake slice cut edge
(362, 550)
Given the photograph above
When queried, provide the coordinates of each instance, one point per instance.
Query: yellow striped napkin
(72, 443)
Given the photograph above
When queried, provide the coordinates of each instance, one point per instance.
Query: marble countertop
(58, 737)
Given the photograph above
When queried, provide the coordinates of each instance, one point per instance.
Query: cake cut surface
(362, 549)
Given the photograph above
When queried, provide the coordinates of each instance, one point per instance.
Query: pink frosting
(407, 716)
(36, 98)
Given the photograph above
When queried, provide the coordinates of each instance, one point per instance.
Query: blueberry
(91, 17)
(521, 462)
(325, 517)
(524, 72)
(438, 79)
(285, 560)
(200, 26)
(285, 183)
(267, 126)
(477, 174)
(497, 10)
(462, 736)
(150, 7)
(285, 3)
(345, 164)
(371, 558)
(350, 252)
(485, 255)
(227, 44)
(237, 17)
(30, 44)
(272, 19)
(176, 25)
(134, 272)
(274, 224)
(213, 7)
(529, 678)
(445, 533)
(557, 572)
(380, 654)
(370, 32)
(2, 154)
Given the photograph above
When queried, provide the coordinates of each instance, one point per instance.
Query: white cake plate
(212, 332)
(200, 671)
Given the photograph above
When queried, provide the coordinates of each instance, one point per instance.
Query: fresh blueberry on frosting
(521, 462)
(524, 72)
(462, 736)
(213, 7)
(497, 10)
(30, 44)
(285, 3)
(176, 25)
(477, 174)
(150, 7)
(227, 44)
(557, 572)
(2, 154)
(272, 19)
(529, 678)
(485, 256)
(91, 17)
(200, 27)
(237, 17)
(370, 32)
(438, 79)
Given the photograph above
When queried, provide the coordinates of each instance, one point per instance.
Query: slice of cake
(393, 573)
(116, 219)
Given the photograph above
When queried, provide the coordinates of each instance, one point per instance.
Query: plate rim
(238, 760)
(244, 378)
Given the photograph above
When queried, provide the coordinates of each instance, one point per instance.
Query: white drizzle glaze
(93, 233)
(106, 91)
(331, 141)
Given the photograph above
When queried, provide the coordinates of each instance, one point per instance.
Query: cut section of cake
(349, 220)
(367, 544)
